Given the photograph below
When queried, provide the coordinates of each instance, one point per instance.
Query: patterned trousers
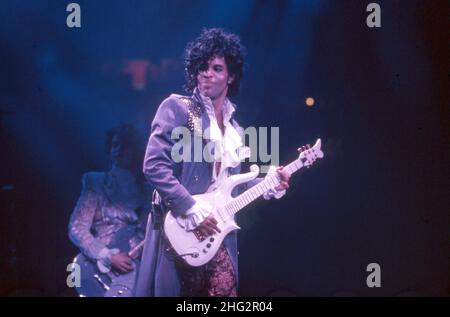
(215, 278)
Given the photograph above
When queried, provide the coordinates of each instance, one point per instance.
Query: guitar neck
(258, 190)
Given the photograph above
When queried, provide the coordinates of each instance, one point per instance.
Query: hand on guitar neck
(284, 179)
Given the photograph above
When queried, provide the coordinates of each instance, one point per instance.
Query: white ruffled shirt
(229, 150)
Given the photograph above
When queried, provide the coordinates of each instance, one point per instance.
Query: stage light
(138, 70)
(309, 101)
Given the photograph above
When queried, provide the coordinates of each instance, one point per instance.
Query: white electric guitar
(197, 249)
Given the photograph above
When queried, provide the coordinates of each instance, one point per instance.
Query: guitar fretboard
(270, 182)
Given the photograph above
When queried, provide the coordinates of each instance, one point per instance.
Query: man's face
(213, 82)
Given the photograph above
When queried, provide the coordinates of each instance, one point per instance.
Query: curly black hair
(130, 138)
(214, 42)
(127, 134)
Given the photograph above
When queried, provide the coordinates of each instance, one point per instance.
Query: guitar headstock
(308, 155)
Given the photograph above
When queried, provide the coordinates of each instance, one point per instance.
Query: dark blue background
(381, 99)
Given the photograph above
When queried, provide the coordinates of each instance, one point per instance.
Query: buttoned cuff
(272, 193)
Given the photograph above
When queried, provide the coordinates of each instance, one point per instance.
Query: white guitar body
(197, 250)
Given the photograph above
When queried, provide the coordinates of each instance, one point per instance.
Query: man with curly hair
(214, 68)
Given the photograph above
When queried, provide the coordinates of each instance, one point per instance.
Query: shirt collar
(227, 110)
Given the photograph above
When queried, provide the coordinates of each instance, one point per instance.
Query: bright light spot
(309, 101)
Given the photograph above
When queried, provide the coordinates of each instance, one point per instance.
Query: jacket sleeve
(81, 221)
(158, 165)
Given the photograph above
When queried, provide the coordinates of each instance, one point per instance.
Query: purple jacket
(175, 183)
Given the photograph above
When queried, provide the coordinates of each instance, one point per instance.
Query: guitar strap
(157, 210)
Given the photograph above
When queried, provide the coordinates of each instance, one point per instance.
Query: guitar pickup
(200, 236)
